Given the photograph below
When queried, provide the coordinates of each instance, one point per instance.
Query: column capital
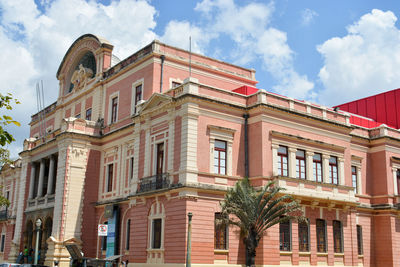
(292, 149)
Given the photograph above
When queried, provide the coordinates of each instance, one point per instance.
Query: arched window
(88, 61)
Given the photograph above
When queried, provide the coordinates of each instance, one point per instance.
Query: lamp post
(38, 224)
(189, 242)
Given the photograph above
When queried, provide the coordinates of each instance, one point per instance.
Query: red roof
(381, 108)
(246, 90)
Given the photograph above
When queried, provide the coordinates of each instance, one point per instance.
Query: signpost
(102, 230)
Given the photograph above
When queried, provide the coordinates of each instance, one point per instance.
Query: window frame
(134, 97)
(114, 109)
(360, 246)
(307, 243)
(110, 178)
(354, 178)
(323, 232)
(131, 167)
(398, 181)
(88, 114)
(337, 230)
(3, 242)
(220, 230)
(220, 151)
(333, 168)
(285, 233)
(222, 134)
(318, 163)
(127, 234)
(299, 160)
(281, 163)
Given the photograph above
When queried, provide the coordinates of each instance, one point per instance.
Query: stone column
(20, 201)
(32, 181)
(325, 169)
(292, 162)
(275, 159)
(395, 191)
(359, 181)
(341, 176)
(188, 166)
(41, 178)
(309, 166)
(51, 175)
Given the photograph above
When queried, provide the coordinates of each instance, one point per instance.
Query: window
(304, 237)
(114, 109)
(131, 161)
(78, 116)
(317, 167)
(89, 114)
(398, 181)
(138, 95)
(333, 170)
(301, 164)
(128, 234)
(337, 237)
(282, 161)
(354, 177)
(175, 84)
(3, 240)
(321, 235)
(110, 176)
(156, 242)
(104, 241)
(284, 236)
(8, 195)
(220, 157)
(220, 233)
(359, 240)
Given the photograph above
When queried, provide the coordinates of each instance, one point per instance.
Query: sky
(327, 52)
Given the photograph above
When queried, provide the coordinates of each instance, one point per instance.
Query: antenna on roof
(190, 56)
(40, 106)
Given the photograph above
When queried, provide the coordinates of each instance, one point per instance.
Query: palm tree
(255, 210)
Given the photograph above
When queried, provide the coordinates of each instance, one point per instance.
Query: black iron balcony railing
(158, 181)
(3, 215)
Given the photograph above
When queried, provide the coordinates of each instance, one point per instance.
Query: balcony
(4, 215)
(46, 201)
(152, 183)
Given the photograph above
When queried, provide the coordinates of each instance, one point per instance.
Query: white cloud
(364, 62)
(35, 41)
(177, 33)
(249, 27)
(307, 16)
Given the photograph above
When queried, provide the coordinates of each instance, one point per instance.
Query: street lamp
(38, 224)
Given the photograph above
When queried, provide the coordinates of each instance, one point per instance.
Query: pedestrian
(26, 255)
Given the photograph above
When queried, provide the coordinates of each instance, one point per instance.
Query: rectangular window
(3, 240)
(8, 195)
(304, 237)
(284, 236)
(359, 240)
(317, 167)
(321, 235)
(104, 241)
(110, 176)
(128, 234)
(89, 114)
(354, 178)
(138, 94)
(175, 84)
(220, 233)
(156, 242)
(131, 161)
(337, 237)
(220, 157)
(283, 161)
(333, 170)
(114, 109)
(398, 181)
(301, 164)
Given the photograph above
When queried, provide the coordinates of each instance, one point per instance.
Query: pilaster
(292, 162)
(309, 166)
(188, 166)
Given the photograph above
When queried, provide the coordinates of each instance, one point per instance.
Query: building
(137, 144)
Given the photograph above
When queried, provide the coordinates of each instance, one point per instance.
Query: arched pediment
(86, 57)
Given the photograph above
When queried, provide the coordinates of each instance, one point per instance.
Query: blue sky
(328, 52)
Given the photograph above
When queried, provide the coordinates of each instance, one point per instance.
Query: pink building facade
(137, 144)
